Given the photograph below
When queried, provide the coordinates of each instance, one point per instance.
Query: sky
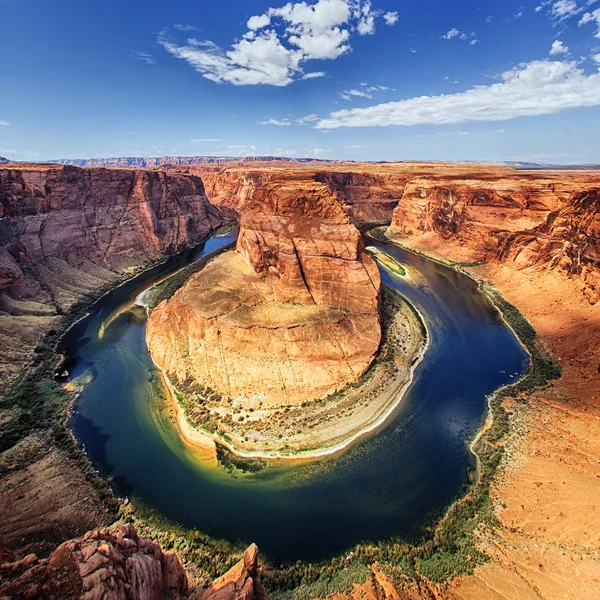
(493, 80)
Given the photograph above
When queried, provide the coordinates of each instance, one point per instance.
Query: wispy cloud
(143, 57)
(536, 88)
(442, 134)
(461, 35)
(201, 140)
(287, 122)
(182, 27)
(366, 91)
(279, 42)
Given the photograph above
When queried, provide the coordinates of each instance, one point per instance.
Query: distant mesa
(3, 160)
(141, 162)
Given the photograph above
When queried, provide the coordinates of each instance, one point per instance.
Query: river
(392, 482)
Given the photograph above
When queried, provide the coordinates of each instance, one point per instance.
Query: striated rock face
(66, 231)
(296, 320)
(226, 330)
(100, 565)
(568, 240)
(525, 221)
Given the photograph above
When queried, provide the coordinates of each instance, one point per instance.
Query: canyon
(66, 232)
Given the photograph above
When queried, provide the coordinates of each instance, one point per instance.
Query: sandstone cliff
(66, 231)
(240, 329)
(526, 221)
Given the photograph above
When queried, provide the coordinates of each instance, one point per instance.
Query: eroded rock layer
(65, 232)
(528, 222)
(295, 320)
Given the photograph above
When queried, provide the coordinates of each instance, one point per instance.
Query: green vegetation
(165, 289)
(390, 263)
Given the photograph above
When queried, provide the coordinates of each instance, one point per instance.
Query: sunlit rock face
(292, 316)
(524, 221)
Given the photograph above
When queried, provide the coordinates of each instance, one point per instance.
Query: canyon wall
(297, 320)
(542, 221)
(65, 232)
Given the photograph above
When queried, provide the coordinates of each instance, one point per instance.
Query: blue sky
(345, 79)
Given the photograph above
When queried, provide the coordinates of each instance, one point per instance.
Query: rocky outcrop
(102, 564)
(298, 320)
(242, 582)
(65, 232)
(525, 221)
(120, 566)
(568, 241)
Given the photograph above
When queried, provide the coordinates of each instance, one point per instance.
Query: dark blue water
(390, 483)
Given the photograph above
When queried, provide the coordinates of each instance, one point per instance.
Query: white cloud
(181, 27)
(201, 140)
(596, 58)
(4, 123)
(564, 9)
(307, 119)
(558, 48)
(499, 130)
(443, 134)
(314, 75)
(277, 42)
(461, 35)
(367, 92)
(391, 18)
(286, 122)
(451, 34)
(258, 22)
(277, 123)
(536, 88)
(143, 57)
(593, 17)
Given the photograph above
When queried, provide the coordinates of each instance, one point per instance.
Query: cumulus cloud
(391, 18)
(143, 57)
(451, 34)
(278, 42)
(536, 88)
(558, 48)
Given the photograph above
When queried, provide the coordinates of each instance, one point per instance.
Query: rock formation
(100, 565)
(296, 320)
(66, 231)
(540, 222)
(121, 566)
(242, 582)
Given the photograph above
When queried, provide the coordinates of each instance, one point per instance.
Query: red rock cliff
(66, 231)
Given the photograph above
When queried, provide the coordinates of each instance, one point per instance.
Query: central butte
(291, 316)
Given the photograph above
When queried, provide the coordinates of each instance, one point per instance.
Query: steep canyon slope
(65, 232)
(296, 319)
